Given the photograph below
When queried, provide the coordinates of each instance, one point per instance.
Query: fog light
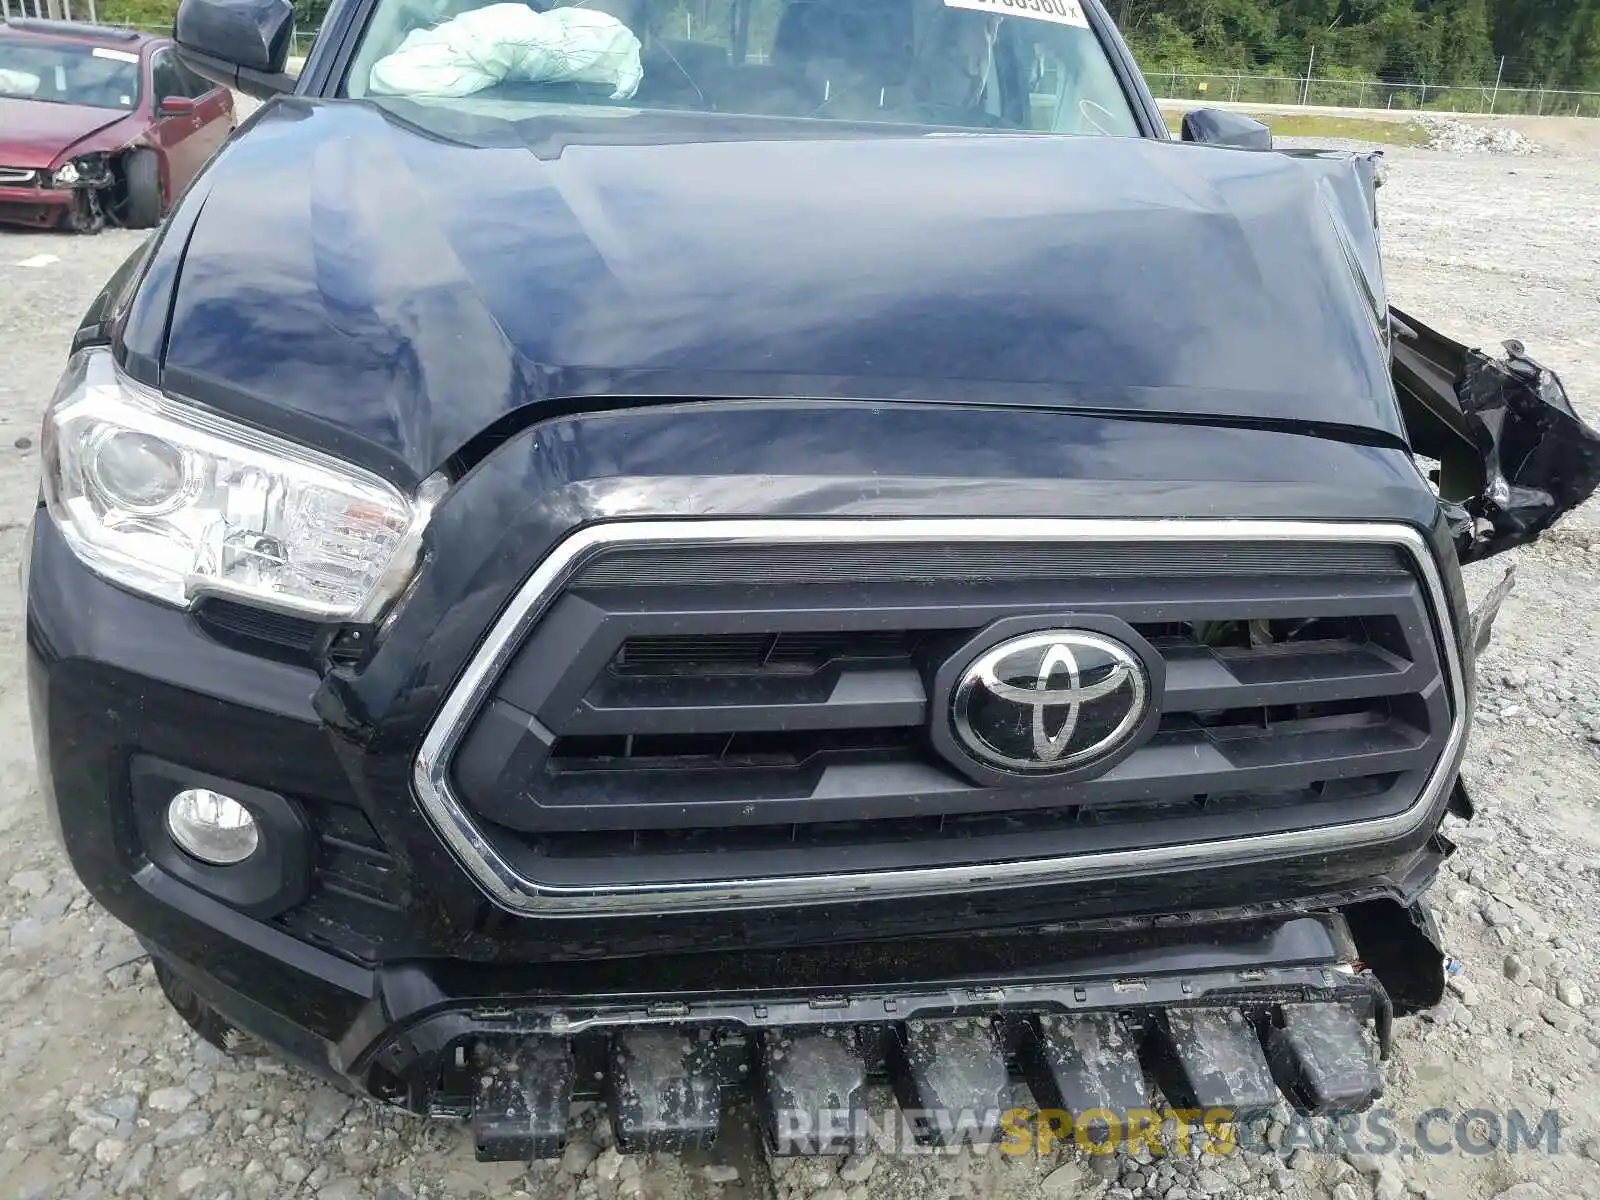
(212, 827)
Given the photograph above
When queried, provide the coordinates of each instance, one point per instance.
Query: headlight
(65, 176)
(174, 502)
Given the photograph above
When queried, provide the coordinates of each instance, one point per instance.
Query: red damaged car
(99, 125)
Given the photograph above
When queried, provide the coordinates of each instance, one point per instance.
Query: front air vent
(258, 630)
(355, 905)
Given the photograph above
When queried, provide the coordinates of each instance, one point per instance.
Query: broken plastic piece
(949, 1067)
(1484, 615)
(1217, 1061)
(521, 1101)
(814, 1090)
(1514, 455)
(1083, 1061)
(1322, 1058)
(664, 1093)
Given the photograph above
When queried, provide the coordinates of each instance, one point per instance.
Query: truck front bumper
(1222, 1020)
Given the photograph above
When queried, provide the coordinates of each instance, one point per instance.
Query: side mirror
(175, 106)
(241, 44)
(1217, 127)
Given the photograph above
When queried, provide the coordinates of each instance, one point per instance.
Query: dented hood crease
(408, 290)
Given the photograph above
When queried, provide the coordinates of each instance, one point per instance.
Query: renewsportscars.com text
(1215, 1131)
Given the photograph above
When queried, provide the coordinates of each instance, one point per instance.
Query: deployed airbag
(17, 83)
(512, 42)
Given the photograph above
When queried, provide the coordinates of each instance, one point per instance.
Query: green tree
(1545, 43)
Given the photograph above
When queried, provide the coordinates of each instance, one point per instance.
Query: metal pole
(1495, 95)
(1305, 92)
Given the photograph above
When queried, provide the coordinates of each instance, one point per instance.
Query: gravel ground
(109, 1094)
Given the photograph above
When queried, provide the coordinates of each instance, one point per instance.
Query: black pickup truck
(648, 548)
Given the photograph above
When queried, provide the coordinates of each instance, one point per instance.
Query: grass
(1312, 125)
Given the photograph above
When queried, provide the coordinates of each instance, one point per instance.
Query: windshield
(969, 64)
(67, 73)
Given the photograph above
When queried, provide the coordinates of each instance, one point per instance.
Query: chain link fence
(1237, 88)
(1347, 93)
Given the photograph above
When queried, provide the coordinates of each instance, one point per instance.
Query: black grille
(755, 710)
(856, 562)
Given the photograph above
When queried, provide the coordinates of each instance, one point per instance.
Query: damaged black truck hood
(393, 291)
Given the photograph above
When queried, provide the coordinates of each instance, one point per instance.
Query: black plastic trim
(276, 877)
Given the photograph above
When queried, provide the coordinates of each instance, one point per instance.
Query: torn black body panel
(1514, 457)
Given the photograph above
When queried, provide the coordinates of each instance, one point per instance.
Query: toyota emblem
(1050, 702)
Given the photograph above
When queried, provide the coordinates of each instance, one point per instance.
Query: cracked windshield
(1024, 65)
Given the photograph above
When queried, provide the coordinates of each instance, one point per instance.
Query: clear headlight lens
(176, 503)
(66, 175)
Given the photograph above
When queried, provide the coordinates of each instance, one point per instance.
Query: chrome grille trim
(17, 176)
(519, 894)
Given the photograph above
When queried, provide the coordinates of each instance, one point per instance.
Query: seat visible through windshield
(1027, 65)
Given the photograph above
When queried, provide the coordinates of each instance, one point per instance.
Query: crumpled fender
(1514, 456)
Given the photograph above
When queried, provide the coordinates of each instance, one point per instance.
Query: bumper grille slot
(800, 749)
(720, 751)
(727, 681)
(792, 653)
(955, 828)
(354, 906)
